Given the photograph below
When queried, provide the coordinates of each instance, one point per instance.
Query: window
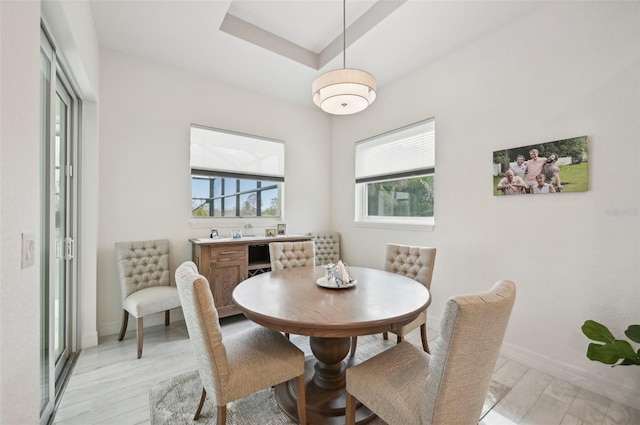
(235, 175)
(394, 176)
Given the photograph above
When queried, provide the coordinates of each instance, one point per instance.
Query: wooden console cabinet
(225, 262)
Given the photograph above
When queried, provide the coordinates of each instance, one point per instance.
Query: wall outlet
(28, 250)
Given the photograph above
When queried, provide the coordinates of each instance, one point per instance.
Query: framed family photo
(282, 229)
(553, 167)
(269, 232)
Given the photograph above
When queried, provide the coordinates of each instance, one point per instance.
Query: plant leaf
(597, 332)
(627, 362)
(625, 349)
(596, 353)
(610, 353)
(633, 333)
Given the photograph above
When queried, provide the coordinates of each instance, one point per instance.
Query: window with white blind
(235, 175)
(394, 177)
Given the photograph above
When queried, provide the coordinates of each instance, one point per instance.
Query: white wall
(570, 69)
(19, 211)
(145, 114)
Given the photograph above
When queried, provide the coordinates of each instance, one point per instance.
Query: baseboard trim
(600, 385)
(89, 339)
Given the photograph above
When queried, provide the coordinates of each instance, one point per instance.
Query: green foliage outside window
(412, 197)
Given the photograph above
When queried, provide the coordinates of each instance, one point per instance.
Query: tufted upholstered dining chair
(145, 283)
(447, 387)
(327, 247)
(417, 263)
(234, 367)
(286, 255)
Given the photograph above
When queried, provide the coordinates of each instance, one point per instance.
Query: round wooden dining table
(291, 301)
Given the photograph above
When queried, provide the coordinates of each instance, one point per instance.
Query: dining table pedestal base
(324, 385)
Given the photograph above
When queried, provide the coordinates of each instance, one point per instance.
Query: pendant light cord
(344, 34)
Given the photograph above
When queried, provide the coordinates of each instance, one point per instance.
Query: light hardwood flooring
(109, 385)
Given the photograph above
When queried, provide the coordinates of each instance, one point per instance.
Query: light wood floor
(111, 386)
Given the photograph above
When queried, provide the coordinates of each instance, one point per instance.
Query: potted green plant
(616, 352)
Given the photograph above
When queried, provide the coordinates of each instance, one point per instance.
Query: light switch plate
(28, 250)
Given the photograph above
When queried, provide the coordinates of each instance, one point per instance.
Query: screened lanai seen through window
(234, 174)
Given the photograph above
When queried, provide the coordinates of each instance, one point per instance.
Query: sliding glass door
(59, 213)
(59, 118)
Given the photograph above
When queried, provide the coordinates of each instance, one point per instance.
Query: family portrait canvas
(546, 168)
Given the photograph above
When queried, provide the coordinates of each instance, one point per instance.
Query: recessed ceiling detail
(244, 30)
(390, 38)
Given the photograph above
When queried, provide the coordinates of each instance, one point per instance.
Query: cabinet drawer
(228, 253)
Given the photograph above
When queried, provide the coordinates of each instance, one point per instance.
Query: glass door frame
(58, 253)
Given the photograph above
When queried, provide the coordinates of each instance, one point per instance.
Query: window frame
(362, 219)
(274, 175)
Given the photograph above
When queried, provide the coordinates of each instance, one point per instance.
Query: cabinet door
(224, 278)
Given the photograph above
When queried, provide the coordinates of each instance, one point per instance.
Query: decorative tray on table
(335, 283)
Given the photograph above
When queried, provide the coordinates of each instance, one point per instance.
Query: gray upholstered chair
(327, 247)
(284, 255)
(145, 283)
(234, 367)
(447, 387)
(417, 263)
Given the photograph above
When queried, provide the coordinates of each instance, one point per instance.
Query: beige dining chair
(447, 387)
(327, 246)
(417, 263)
(145, 283)
(239, 365)
(284, 255)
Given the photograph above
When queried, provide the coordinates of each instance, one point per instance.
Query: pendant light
(347, 90)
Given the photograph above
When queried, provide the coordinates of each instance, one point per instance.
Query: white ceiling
(388, 38)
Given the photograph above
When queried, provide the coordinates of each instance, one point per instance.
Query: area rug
(174, 401)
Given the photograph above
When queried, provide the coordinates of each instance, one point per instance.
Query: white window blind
(400, 153)
(214, 150)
